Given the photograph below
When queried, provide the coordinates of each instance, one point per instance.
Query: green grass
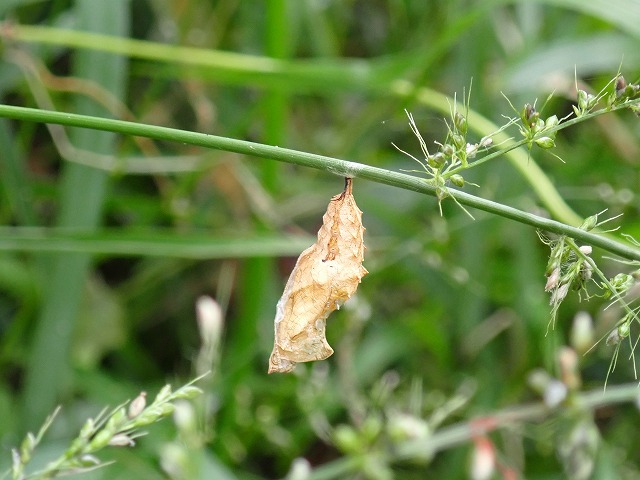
(240, 120)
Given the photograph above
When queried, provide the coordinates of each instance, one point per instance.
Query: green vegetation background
(102, 307)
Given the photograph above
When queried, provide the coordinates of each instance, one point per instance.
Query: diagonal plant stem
(336, 166)
(376, 76)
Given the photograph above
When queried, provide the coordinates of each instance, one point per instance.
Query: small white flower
(137, 405)
(486, 141)
(209, 315)
(555, 393)
(483, 462)
(559, 293)
(552, 280)
(121, 440)
(471, 150)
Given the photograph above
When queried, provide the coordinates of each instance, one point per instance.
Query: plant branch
(462, 432)
(336, 166)
(465, 431)
(376, 76)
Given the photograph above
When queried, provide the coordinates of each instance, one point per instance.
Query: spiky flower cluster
(570, 267)
(621, 93)
(452, 155)
(536, 130)
(566, 269)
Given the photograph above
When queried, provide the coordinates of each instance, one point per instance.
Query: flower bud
(555, 258)
(137, 406)
(121, 440)
(568, 362)
(555, 393)
(402, 426)
(209, 315)
(559, 294)
(483, 460)
(163, 394)
(582, 332)
(551, 122)
(539, 380)
(624, 330)
(622, 282)
(89, 461)
(589, 223)
(460, 122)
(346, 439)
(100, 440)
(618, 334)
(437, 160)
(87, 429)
(613, 338)
(621, 85)
(471, 150)
(300, 469)
(448, 150)
(586, 271)
(153, 414)
(457, 180)
(545, 142)
(486, 142)
(458, 140)
(26, 448)
(582, 99)
(441, 193)
(552, 280)
(529, 115)
(187, 392)
(116, 420)
(586, 102)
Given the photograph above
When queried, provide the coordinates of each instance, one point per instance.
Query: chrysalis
(325, 276)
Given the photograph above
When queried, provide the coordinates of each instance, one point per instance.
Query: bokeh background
(108, 241)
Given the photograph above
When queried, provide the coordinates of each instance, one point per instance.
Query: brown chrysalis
(325, 276)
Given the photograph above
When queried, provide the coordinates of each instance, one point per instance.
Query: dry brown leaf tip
(324, 277)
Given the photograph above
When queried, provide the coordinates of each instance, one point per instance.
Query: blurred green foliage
(452, 308)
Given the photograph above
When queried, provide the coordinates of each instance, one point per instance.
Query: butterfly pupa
(324, 277)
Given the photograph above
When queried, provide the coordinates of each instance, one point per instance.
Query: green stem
(336, 166)
(376, 76)
(512, 144)
(149, 243)
(462, 432)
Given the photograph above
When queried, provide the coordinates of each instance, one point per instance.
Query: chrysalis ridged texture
(325, 276)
